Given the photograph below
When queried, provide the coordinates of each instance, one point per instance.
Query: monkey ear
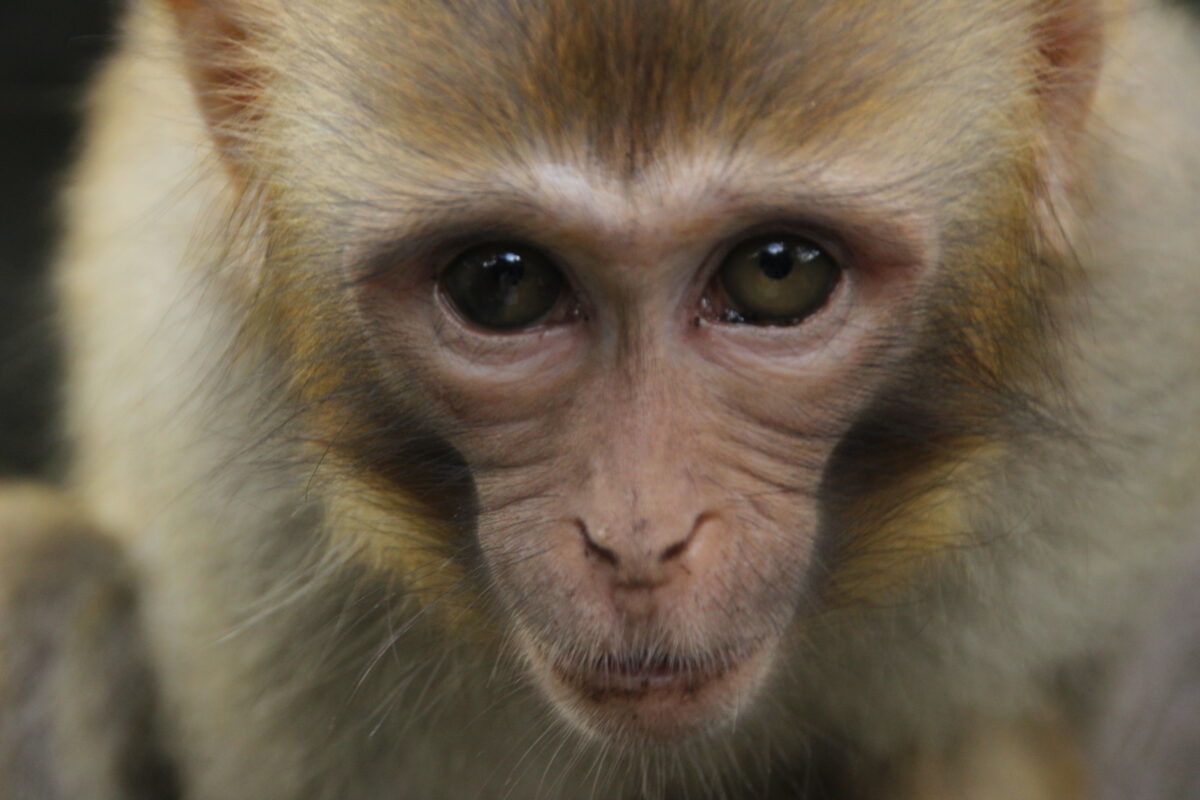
(1070, 48)
(1070, 42)
(217, 38)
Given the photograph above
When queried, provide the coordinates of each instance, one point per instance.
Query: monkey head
(646, 330)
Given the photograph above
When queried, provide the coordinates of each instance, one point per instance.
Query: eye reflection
(502, 287)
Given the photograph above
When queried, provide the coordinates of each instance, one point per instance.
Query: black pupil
(502, 287)
(506, 268)
(775, 260)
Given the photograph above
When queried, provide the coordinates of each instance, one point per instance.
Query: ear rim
(216, 38)
(1071, 39)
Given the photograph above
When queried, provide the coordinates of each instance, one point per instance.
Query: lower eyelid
(719, 304)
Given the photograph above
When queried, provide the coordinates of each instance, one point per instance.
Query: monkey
(623, 398)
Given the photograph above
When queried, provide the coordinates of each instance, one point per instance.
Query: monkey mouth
(633, 674)
(651, 695)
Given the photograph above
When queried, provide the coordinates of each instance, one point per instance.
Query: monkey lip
(642, 673)
(655, 696)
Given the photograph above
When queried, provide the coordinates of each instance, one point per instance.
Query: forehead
(463, 86)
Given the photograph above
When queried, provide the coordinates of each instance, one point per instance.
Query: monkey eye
(777, 280)
(502, 286)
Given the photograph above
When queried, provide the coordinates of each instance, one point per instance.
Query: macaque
(612, 399)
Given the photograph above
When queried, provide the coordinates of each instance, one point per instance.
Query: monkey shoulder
(77, 696)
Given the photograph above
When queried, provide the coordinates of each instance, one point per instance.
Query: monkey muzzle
(652, 695)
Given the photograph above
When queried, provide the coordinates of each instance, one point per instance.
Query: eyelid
(824, 236)
(448, 252)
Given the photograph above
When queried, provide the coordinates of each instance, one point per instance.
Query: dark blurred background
(47, 48)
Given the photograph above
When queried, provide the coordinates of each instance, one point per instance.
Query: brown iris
(502, 286)
(777, 280)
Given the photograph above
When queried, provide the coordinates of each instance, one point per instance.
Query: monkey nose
(643, 555)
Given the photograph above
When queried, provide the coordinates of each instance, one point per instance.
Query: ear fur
(1070, 38)
(218, 39)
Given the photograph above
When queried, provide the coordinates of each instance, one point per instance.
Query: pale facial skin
(648, 468)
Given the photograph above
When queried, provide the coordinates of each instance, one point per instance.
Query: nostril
(595, 549)
(676, 550)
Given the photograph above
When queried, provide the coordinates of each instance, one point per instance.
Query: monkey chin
(639, 700)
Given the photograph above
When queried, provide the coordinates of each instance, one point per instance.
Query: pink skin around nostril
(593, 548)
(632, 560)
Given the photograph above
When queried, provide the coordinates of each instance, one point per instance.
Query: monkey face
(645, 387)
